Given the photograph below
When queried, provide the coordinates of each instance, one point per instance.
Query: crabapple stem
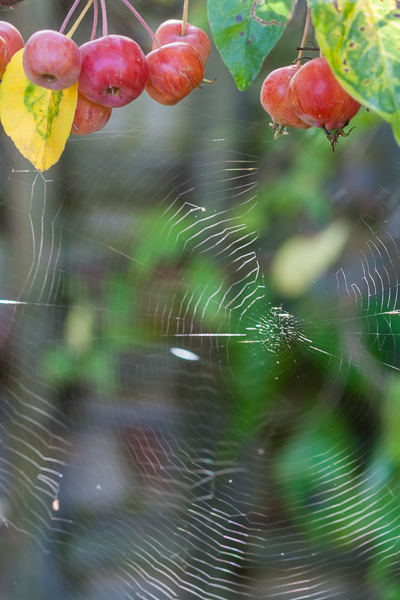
(79, 19)
(69, 15)
(296, 61)
(104, 17)
(185, 16)
(142, 21)
(95, 20)
(304, 38)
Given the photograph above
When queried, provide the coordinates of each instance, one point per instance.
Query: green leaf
(361, 41)
(245, 31)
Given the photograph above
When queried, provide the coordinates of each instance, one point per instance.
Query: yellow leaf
(37, 120)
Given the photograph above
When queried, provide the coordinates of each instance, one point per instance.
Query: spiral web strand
(160, 484)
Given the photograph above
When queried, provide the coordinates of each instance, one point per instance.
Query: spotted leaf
(245, 31)
(361, 41)
(37, 120)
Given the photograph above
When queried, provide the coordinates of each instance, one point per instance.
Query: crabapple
(319, 99)
(12, 36)
(174, 71)
(114, 70)
(274, 98)
(13, 42)
(171, 31)
(4, 55)
(89, 117)
(51, 60)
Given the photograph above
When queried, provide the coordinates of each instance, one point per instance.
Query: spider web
(155, 390)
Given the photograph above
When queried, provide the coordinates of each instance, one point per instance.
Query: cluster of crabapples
(308, 96)
(112, 70)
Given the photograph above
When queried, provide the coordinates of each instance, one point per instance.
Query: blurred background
(199, 380)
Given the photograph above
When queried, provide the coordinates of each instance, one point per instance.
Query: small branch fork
(104, 18)
(79, 19)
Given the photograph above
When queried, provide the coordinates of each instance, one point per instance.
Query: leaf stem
(79, 19)
(304, 38)
(104, 17)
(95, 19)
(142, 21)
(185, 16)
(69, 15)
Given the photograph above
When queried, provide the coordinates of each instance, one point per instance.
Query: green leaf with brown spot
(361, 41)
(245, 31)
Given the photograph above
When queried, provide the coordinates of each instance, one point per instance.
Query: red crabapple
(12, 36)
(274, 99)
(4, 56)
(319, 99)
(174, 71)
(51, 60)
(171, 31)
(89, 117)
(114, 70)
(14, 42)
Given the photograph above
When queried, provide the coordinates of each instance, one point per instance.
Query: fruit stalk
(142, 21)
(95, 19)
(104, 17)
(79, 19)
(69, 15)
(304, 38)
(185, 16)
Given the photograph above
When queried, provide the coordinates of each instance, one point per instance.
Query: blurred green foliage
(336, 449)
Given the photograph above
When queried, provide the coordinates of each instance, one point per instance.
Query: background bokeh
(262, 470)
